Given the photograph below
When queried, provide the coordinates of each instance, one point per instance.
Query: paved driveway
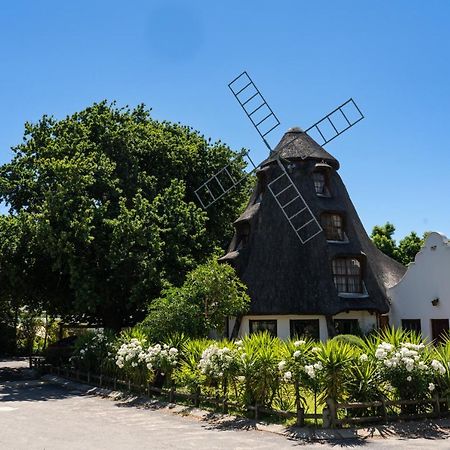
(38, 415)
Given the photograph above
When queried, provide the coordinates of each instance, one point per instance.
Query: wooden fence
(333, 415)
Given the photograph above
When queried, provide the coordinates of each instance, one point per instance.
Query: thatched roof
(295, 144)
(285, 277)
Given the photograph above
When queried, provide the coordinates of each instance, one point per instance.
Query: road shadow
(223, 423)
(32, 391)
(426, 429)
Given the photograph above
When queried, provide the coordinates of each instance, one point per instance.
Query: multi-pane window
(347, 275)
(306, 328)
(347, 326)
(333, 226)
(412, 325)
(320, 183)
(264, 325)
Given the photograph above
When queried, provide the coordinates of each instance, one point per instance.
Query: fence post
(300, 412)
(225, 395)
(437, 406)
(172, 394)
(329, 414)
(197, 397)
(384, 410)
(129, 385)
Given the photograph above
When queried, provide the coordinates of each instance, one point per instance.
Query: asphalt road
(38, 415)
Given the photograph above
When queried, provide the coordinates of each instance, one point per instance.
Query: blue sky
(306, 57)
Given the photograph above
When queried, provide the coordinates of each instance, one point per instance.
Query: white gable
(427, 280)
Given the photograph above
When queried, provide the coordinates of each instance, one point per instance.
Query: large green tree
(407, 248)
(110, 195)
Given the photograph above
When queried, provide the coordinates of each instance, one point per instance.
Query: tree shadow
(228, 423)
(29, 391)
(426, 429)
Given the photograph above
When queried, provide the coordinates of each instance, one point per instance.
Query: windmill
(285, 192)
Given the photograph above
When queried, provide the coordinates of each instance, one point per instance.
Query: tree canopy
(103, 212)
(405, 251)
(210, 294)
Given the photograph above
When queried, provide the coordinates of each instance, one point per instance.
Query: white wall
(426, 279)
(367, 322)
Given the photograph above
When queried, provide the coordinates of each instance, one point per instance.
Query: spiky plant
(336, 359)
(260, 355)
(188, 373)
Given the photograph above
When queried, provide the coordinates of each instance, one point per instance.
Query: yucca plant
(188, 373)
(336, 359)
(260, 355)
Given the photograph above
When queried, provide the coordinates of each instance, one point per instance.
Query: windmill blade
(336, 122)
(224, 181)
(254, 105)
(294, 206)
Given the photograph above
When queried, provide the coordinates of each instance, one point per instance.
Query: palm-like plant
(336, 359)
(260, 355)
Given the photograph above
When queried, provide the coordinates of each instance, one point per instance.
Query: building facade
(420, 301)
(336, 282)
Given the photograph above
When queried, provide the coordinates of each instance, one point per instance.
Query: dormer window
(347, 275)
(321, 183)
(333, 226)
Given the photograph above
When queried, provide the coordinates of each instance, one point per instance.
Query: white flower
(431, 387)
(238, 343)
(315, 349)
(297, 353)
(298, 343)
(363, 357)
(287, 376)
(408, 379)
(281, 365)
(310, 371)
(438, 367)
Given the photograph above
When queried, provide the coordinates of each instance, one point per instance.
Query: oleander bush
(262, 370)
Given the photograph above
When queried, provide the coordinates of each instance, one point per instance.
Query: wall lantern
(435, 302)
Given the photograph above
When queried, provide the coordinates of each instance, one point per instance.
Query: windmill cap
(296, 130)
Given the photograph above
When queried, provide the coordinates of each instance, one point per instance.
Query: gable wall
(426, 279)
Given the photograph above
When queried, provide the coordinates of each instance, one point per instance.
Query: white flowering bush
(408, 369)
(94, 351)
(131, 355)
(162, 358)
(299, 364)
(218, 363)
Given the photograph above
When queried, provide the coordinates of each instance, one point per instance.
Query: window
(333, 226)
(320, 183)
(347, 275)
(439, 330)
(264, 325)
(411, 325)
(347, 326)
(307, 328)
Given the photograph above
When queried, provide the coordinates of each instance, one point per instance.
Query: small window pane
(411, 325)
(305, 328)
(264, 325)
(320, 183)
(333, 226)
(347, 275)
(347, 326)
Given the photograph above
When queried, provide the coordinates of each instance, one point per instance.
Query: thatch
(285, 277)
